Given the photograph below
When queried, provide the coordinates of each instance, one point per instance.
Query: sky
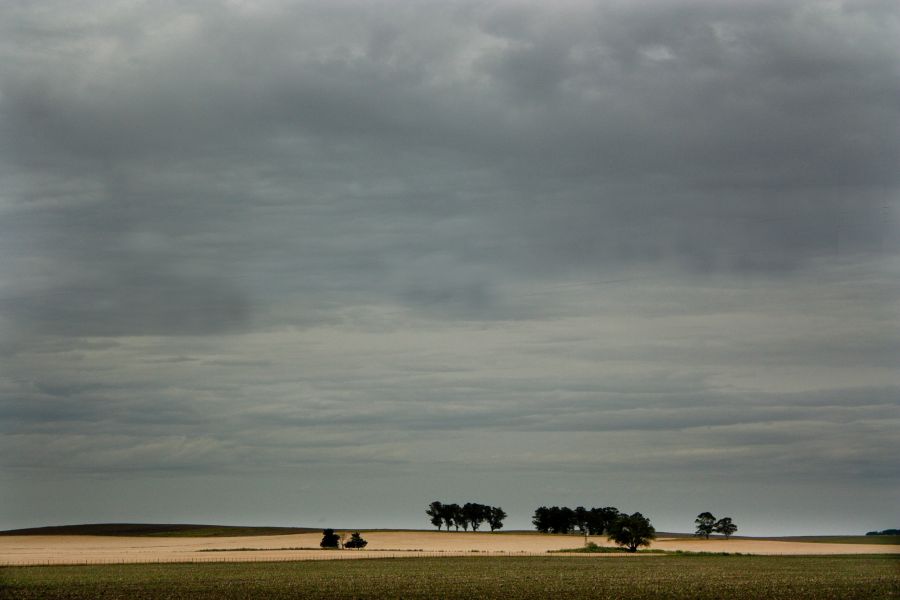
(321, 263)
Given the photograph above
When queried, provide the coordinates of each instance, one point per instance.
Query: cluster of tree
(885, 532)
(330, 539)
(470, 514)
(708, 524)
(556, 519)
(631, 531)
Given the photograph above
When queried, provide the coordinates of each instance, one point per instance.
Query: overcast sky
(322, 263)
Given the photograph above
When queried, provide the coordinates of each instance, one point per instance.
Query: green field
(623, 578)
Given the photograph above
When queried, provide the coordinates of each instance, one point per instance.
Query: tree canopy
(471, 514)
(632, 531)
(495, 517)
(329, 539)
(356, 541)
(556, 519)
(725, 526)
(705, 522)
(435, 512)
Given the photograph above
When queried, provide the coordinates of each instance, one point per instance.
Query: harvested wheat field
(85, 549)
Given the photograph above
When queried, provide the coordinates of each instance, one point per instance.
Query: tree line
(470, 514)
(627, 530)
(631, 531)
(562, 519)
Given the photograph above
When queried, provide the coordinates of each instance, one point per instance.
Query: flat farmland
(650, 576)
(86, 549)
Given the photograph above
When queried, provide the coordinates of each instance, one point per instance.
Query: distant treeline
(885, 532)
(470, 514)
(562, 519)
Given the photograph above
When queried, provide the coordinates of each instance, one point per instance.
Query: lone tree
(495, 516)
(356, 541)
(435, 512)
(632, 531)
(706, 523)
(725, 526)
(329, 539)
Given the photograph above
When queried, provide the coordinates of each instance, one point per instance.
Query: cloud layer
(621, 241)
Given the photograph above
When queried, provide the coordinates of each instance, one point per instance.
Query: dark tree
(705, 523)
(598, 520)
(435, 512)
(582, 517)
(329, 539)
(606, 517)
(495, 516)
(541, 519)
(462, 518)
(474, 514)
(484, 513)
(632, 531)
(356, 541)
(725, 526)
(447, 515)
(453, 515)
(595, 522)
(562, 520)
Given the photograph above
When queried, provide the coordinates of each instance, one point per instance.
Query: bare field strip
(77, 549)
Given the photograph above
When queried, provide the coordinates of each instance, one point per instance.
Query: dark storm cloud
(723, 136)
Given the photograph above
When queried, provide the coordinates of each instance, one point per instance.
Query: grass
(158, 530)
(592, 548)
(518, 578)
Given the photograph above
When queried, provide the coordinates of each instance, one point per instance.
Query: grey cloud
(722, 112)
(134, 304)
(234, 237)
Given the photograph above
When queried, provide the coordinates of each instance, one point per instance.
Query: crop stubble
(700, 577)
